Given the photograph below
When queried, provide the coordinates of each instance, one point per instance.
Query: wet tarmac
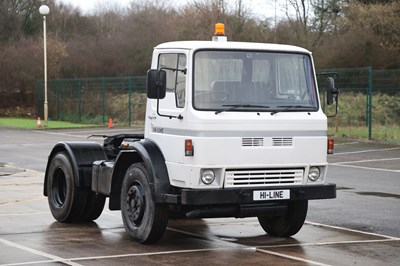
(30, 236)
(360, 227)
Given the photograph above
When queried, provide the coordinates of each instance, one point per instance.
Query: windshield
(253, 81)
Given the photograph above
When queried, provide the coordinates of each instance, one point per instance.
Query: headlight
(207, 176)
(314, 173)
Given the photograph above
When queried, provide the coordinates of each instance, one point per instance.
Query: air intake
(282, 142)
(252, 142)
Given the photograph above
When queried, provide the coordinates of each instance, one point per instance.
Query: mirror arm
(337, 105)
(335, 93)
(174, 69)
(180, 117)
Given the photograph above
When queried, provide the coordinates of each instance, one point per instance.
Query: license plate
(271, 194)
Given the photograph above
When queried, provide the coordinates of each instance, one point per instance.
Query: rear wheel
(288, 224)
(66, 200)
(145, 221)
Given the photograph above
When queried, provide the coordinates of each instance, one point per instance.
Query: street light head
(44, 10)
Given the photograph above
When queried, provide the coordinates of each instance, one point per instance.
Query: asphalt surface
(360, 227)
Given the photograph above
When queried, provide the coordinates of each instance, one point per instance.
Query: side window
(176, 80)
(180, 82)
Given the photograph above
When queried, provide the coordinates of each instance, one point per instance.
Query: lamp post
(45, 10)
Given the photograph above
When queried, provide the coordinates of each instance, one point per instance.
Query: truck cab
(249, 111)
(232, 129)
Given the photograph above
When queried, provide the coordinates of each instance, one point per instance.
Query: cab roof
(196, 45)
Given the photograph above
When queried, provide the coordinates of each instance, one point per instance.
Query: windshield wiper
(236, 106)
(286, 108)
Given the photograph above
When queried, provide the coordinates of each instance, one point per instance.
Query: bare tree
(312, 19)
(18, 17)
(109, 16)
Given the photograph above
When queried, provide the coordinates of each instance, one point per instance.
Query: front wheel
(144, 220)
(288, 224)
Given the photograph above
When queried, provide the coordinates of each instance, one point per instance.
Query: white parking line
(36, 252)
(67, 261)
(25, 170)
(282, 255)
(351, 230)
(367, 168)
(19, 201)
(364, 151)
(85, 134)
(291, 257)
(330, 243)
(366, 161)
(164, 253)
(20, 183)
(347, 143)
(23, 214)
(199, 236)
(346, 164)
(96, 129)
(60, 134)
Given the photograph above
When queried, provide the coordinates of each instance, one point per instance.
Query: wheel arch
(149, 153)
(82, 155)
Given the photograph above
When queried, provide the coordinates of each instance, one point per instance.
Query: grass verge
(379, 133)
(30, 123)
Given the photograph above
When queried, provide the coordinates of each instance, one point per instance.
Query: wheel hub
(135, 204)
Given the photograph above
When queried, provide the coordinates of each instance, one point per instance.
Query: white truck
(232, 129)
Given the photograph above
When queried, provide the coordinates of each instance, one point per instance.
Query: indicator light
(188, 147)
(331, 144)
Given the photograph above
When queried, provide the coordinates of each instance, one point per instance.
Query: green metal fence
(94, 100)
(369, 100)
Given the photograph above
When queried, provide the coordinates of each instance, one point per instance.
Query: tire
(144, 220)
(289, 224)
(94, 207)
(66, 200)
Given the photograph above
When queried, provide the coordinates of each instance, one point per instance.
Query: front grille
(262, 177)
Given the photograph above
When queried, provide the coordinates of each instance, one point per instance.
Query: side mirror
(156, 84)
(332, 92)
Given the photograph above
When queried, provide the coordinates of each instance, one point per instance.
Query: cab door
(167, 126)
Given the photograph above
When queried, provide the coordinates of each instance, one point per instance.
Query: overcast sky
(261, 8)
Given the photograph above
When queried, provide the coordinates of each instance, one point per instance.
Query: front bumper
(245, 195)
